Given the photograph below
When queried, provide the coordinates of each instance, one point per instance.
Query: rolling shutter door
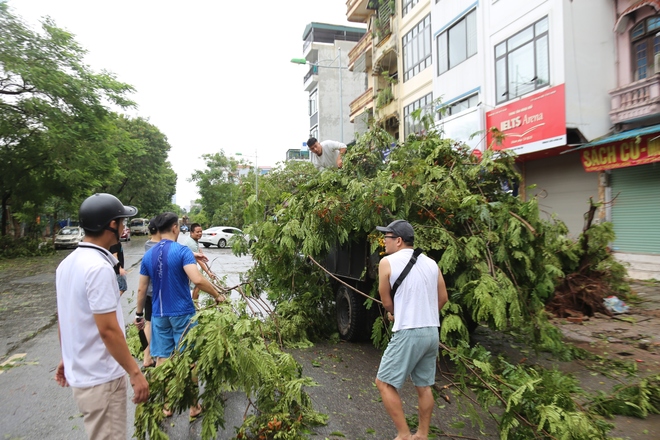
(636, 209)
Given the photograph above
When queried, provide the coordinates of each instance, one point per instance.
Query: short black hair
(166, 220)
(153, 225)
(311, 141)
(194, 225)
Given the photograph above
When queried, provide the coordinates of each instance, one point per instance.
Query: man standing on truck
(327, 154)
(413, 349)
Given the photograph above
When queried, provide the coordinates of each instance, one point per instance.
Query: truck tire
(350, 314)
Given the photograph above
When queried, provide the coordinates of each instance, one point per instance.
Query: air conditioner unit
(656, 63)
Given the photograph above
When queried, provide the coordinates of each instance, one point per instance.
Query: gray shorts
(411, 352)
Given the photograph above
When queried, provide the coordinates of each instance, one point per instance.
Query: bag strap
(405, 271)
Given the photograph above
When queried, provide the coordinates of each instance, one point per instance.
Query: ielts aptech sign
(531, 124)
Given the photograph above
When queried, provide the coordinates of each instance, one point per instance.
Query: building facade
(329, 82)
(526, 70)
(572, 87)
(627, 156)
(396, 55)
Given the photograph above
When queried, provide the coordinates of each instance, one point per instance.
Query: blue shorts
(166, 332)
(411, 352)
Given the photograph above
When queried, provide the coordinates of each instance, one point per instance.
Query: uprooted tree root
(580, 294)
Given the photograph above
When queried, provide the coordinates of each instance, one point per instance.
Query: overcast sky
(209, 74)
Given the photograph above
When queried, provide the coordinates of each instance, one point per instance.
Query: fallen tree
(501, 261)
(502, 264)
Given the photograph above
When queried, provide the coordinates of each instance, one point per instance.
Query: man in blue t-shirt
(169, 266)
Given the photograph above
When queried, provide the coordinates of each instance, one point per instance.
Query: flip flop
(145, 366)
(196, 416)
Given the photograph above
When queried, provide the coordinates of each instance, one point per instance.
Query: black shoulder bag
(405, 271)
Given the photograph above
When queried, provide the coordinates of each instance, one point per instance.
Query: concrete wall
(353, 84)
(589, 57)
(421, 84)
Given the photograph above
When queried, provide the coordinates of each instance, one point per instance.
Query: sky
(211, 75)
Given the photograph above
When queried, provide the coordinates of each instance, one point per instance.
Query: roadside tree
(53, 117)
(222, 196)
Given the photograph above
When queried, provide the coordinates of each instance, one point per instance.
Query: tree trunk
(4, 214)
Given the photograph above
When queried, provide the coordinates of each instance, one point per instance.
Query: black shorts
(147, 308)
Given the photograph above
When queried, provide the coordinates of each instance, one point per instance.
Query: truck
(354, 265)
(139, 226)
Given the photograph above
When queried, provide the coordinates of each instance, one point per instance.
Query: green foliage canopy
(59, 142)
(53, 115)
(494, 250)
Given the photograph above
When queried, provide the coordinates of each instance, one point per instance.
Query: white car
(69, 237)
(220, 236)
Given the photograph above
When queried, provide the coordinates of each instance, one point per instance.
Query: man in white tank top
(416, 306)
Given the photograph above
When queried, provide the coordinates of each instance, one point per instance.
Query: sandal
(196, 416)
(146, 366)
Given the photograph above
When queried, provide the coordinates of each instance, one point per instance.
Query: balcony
(362, 103)
(359, 58)
(385, 44)
(311, 78)
(636, 100)
(357, 11)
(387, 101)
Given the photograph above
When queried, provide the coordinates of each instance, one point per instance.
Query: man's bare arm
(443, 297)
(202, 283)
(384, 288)
(115, 341)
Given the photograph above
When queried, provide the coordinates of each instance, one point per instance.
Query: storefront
(631, 162)
(535, 128)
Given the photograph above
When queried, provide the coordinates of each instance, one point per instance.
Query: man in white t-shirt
(327, 154)
(95, 356)
(192, 241)
(416, 306)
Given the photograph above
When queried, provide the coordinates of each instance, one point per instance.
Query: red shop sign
(535, 123)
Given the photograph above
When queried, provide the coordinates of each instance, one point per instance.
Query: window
(457, 43)
(458, 106)
(645, 47)
(412, 125)
(312, 103)
(417, 49)
(407, 5)
(522, 62)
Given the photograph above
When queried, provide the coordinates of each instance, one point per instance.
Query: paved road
(32, 406)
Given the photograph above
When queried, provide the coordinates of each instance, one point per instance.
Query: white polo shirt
(86, 285)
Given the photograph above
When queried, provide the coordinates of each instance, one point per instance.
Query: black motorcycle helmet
(97, 211)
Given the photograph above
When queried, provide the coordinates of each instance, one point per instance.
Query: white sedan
(220, 236)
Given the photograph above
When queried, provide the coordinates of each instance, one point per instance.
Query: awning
(629, 148)
(622, 21)
(618, 137)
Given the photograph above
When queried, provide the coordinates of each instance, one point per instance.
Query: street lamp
(256, 173)
(341, 94)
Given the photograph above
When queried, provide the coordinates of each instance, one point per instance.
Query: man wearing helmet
(95, 356)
